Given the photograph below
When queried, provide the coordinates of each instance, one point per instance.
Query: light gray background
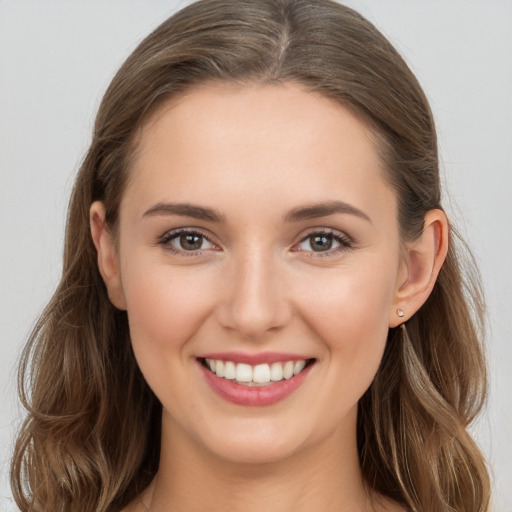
(56, 59)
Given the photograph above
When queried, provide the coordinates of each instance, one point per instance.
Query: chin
(254, 453)
(251, 441)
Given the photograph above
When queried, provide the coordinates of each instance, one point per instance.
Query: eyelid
(176, 232)
(346, 242)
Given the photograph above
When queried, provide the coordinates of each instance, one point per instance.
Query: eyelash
(345, 243)
(166, 239)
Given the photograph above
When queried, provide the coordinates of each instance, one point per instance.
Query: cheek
(349, 312)
(165, 308)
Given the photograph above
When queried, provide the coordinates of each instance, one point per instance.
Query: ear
(107, 256)
(423, 259)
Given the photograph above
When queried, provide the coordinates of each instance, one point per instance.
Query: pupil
(191, 242)
(321, 242)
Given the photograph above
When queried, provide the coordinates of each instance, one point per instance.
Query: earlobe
(108, 264)
(423, 260)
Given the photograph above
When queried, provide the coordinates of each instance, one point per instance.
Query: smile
(257, 375)
(260, 384)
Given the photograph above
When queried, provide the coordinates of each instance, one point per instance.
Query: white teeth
(298, 367)
(288, 370)
(276, 372)
(219, 368)
(243, 372)
(229, 370)
(259, 374)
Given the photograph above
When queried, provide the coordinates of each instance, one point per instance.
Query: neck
(324, 476)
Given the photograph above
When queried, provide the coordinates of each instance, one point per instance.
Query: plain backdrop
(56, 59)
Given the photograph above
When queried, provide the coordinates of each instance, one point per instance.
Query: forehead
(254, 140)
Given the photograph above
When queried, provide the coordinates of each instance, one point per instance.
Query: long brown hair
(91, 438)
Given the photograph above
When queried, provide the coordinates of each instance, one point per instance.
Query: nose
(254, 299)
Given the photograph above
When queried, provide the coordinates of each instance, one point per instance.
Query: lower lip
(254, 395)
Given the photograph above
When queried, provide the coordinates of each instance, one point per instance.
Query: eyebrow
(317, 210)
(185, 210)
(312, 211)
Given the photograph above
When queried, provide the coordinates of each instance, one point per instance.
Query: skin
(254, 154)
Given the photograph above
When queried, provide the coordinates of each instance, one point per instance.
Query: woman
(261, 304)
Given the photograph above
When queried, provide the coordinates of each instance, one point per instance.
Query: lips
(258, 380)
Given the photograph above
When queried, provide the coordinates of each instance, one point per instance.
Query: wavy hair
(91, 438)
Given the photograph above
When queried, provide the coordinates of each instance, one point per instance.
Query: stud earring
(400, 313)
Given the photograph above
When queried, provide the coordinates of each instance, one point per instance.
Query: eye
(318, 243)
(327, 242)
(186, 241)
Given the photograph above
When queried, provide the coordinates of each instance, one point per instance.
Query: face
(258, 238)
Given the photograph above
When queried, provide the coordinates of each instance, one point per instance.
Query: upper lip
(254, 359)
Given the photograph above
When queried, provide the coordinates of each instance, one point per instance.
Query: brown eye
(185, 241)
(190, 241)
(321, 242)
(324, 243)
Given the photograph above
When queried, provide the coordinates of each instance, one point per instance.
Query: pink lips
(257, 395)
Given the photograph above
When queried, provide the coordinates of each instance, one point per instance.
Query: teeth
(253, 375)
(229, 370)
(261, 374)
(219, 368)
(298, 367)
(276, 372)
(288, 370)
(243, 373)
